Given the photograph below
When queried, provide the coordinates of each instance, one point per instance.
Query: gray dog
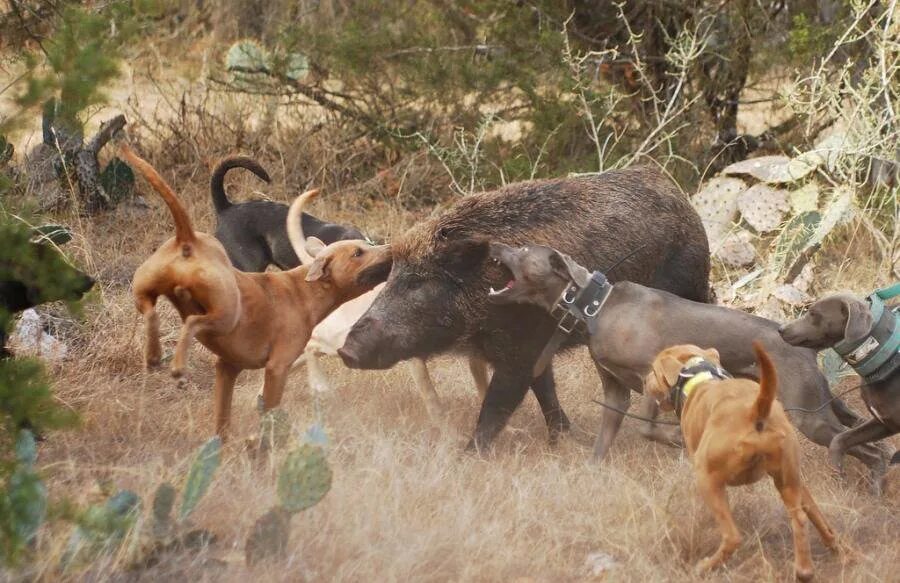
(629, 324)
(253, 233)
(872, 346)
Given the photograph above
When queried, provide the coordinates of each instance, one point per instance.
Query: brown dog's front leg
(273, 385)
(146, 305)
(226, 375)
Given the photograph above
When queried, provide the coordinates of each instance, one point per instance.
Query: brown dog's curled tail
(295, 226)
(184, 232)
(768, 384)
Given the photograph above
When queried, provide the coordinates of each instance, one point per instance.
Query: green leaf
(304, 478)
(200, 476)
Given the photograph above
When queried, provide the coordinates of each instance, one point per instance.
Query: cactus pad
(776, 169)
(716, 203)
(763, 207)
(304, 478)
(163, 502)
(805, 199)
(274, 429)
(200, 476)
(269, 537)
(247, 56)
(736, 249)
(296, 66)
(27, 499)
(26, 448)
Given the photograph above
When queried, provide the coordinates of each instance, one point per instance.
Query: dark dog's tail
(184, 232)
(217, 181)
(768, 384)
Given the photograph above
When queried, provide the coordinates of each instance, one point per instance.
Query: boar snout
(366, 345)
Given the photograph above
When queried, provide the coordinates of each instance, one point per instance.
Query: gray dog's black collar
(576, 308)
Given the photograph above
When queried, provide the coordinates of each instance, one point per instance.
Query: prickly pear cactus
(163, 503)
(269, 537)
(716, 203)
(274, 429)
(247, 56)
(304, 479)
(763, 207)
(296, 66)
(736, 249)
(805, 199)
(793, 239)
(103, 528)
(200, 476)
(776, 169)
(26, 493)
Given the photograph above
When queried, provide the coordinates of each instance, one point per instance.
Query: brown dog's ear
(566, 267)
(318, 269)
(713, 355)
(859, 319)
(667, 370)
(314, 245)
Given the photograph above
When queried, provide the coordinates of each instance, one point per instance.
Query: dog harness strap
(890, 292)
(875, 356)
(695, 372)
(577, 307)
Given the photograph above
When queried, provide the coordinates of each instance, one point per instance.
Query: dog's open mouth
(508, 275)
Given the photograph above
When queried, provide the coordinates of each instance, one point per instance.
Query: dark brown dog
(845, 318)
(250, 320)
(736, 434)
(635, 323)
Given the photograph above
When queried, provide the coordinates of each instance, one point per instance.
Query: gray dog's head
(829, 321)
(537, 274)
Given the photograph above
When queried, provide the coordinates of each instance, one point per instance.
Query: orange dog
(249, 320)
(736, 433)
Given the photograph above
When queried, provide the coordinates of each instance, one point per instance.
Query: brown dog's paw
(803, 574)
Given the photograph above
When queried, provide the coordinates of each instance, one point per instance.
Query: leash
(826, 403)
(632, 415)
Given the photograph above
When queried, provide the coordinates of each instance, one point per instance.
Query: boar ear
(465, 255)
(859, 319)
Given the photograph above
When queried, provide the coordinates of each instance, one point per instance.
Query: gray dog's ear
(859, 319)
(566, 267)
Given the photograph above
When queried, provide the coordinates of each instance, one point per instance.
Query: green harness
(876, 356)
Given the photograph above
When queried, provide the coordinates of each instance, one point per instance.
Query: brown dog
(249, 320)
(736, 433)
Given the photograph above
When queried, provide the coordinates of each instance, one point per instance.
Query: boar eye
(442, 233)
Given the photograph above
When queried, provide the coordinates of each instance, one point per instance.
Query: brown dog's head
(352, 267)
(535, 274)
(668, 365)
(829, 321)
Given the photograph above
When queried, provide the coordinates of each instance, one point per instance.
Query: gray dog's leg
(845, 414)
(871, 430)
(655, 432)
(616, 395)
